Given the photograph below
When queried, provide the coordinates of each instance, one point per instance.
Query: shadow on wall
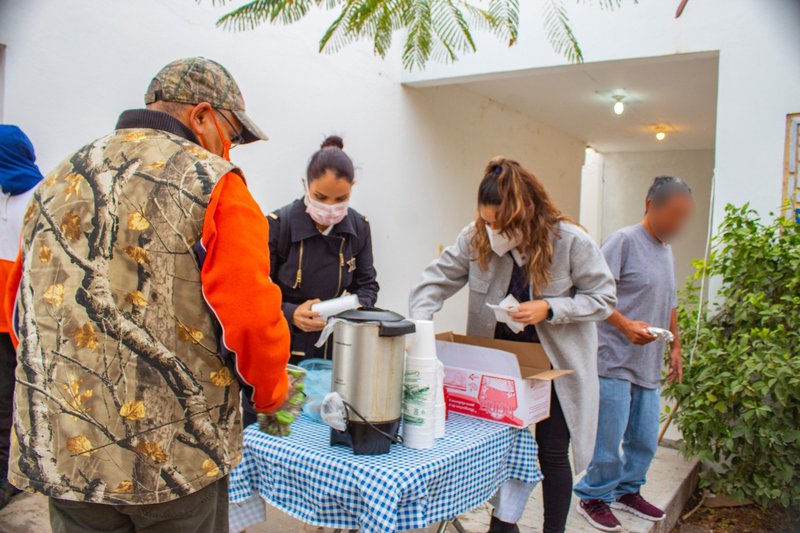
(456, 132)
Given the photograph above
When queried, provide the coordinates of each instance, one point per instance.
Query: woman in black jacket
(320, 248)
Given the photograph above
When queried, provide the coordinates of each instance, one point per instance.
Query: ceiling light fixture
(660, 129)
(619, 107)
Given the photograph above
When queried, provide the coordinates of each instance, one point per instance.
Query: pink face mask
(324, 214)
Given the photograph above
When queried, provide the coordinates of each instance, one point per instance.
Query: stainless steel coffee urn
(368, 359)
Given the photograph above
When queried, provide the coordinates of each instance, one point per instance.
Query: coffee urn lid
(391, 324)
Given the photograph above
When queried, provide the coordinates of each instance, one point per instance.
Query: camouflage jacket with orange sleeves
(124, 392)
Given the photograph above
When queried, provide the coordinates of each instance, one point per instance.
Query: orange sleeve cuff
(10, 276)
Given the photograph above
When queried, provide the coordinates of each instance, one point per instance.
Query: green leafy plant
(434, 29)
(739, 404)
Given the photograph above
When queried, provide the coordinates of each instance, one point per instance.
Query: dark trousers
(8, 362)
(204, 511)
(552, 437)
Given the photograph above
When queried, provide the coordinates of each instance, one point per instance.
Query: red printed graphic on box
(500, 381)
(457, 379)
(466, 405)
(488, 397)
(498, 396)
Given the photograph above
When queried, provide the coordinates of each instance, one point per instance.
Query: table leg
(454, 521)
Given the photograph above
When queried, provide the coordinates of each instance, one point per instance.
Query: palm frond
(559, 33)
(252, 14)
(372, 19)
(388, 20)
(505, 19)
(336, 36)
(451, 31)
(435, 29)
(478, 18)
(419, 41)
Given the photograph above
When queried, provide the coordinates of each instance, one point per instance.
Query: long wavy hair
(524, 208)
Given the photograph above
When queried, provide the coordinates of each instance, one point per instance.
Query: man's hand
(675, 366)
(278, 423)
(530, 313)
(636, 332)
(305, 319)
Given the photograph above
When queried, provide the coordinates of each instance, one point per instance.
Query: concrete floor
(27, 513)
(668, 484)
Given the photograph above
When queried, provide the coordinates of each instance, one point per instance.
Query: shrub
(739, 404)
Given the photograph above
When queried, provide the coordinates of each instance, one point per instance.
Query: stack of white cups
(441, 408)
(420, 388)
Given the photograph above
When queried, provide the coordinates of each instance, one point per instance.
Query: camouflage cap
(194, 80)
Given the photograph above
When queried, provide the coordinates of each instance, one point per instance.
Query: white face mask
(324, 214)
(500, 243)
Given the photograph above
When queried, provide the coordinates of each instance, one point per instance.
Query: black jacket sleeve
(365, 278)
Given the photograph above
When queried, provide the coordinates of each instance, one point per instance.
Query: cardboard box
(500, 381)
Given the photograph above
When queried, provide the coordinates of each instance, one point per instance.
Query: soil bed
(747, 519)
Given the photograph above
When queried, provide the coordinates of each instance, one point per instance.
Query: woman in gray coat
(521, 244)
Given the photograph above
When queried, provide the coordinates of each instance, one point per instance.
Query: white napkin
(330, 325)
(501, 310)
(663, 335)
(326, 331)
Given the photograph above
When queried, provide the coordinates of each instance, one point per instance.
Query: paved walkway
(669, 480)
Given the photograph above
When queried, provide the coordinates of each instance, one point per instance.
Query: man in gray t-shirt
(630, 358)
(645, 273)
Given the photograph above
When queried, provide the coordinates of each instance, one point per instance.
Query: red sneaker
(599, 515)
(638, 506)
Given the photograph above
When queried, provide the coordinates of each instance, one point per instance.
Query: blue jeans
(628, 416)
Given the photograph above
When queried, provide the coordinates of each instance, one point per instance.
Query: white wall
(628, 175)
(759, 78)
(591, 211)
(73, 65)
(2, 77)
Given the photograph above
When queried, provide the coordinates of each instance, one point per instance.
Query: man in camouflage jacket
(140, 301)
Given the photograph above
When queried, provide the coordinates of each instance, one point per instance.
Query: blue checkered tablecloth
(325, 485)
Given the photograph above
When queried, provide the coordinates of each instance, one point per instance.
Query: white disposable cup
(421, 433)
(423, 364)
(440, 410)
(332, 307)
(421, 439)
(439, 427)
(423, 345)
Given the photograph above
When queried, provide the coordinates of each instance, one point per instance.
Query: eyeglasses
(238, 137)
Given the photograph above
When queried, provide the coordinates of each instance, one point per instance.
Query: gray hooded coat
(581, 291)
